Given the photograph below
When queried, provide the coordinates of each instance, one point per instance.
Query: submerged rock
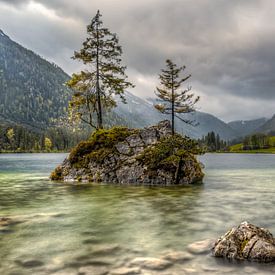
(130, 156)
(177, 256)
(200, 247)
(246, 242)
(150, 263)
(125, 271)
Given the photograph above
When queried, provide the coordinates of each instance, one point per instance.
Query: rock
(125, 271)
(149, 136)
(132, 156)
(247, 241)
(151, 263)
(29, 263)
(135, 141)
(177, 256)
(106, 249)
(200, 247)
(123, 148)
(190, 270)
(5, 221)
(93, 270)
(66, 271)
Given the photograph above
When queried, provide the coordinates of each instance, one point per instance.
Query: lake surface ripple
(96, 229)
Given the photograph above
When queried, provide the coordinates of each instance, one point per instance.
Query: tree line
(257, 141)
(16, 138)
(212, 142)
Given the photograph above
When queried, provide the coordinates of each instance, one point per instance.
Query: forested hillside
(32, 90)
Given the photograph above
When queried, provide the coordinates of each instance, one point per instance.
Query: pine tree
(174, 101)
(103, 78)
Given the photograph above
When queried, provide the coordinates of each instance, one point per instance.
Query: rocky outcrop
(147, 156)
(246, 242)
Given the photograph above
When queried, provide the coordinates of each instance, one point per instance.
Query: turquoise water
(62, 228)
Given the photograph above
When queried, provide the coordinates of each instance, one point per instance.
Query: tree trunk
(173, 107)
(99, 117)
(177, 174)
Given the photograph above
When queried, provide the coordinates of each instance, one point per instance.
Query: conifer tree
(174, 101)
(103, 78)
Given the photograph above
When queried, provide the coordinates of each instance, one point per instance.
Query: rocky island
(149, 156)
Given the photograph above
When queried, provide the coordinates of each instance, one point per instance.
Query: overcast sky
(227, 45)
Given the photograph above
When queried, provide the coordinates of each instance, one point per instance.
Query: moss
(57, 174)
(243, 244)
(99, 146)
(167, 153)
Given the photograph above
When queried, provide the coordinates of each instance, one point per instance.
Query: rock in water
(148, 156)
(246, 242)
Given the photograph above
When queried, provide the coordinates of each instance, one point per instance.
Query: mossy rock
(57, 174)
(100, 145)
(167, 153)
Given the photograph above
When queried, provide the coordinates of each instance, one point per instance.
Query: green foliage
(257, 143)
(31, 89)
(48, 144)
(17, 138)
(100, 145)
(173, 100)
(167, 153)
(56, 174)
(212, 142)
(105, 76)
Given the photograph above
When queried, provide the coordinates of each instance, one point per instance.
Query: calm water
(65, 227)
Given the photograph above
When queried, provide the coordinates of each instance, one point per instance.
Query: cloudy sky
(227, 46)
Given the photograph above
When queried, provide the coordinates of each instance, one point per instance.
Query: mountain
(247, 127)
(33, 95)
(139, 113)
(32, 90)
(267, 127)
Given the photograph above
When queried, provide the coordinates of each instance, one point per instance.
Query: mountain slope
(267, 127)
(139, 113)
(247, 127)
(32, 90)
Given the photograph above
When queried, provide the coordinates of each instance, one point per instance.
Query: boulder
(246, 242)
(149, 156)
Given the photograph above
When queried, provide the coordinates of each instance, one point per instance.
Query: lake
(93, 229)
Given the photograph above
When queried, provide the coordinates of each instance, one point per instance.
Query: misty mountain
(267, 127)
(140, 112)
(247, 127)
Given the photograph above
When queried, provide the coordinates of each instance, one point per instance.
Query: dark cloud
(228, 46)
(14, 2)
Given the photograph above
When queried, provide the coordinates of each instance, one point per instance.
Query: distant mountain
(247, 127)
(267, 127)
(139, 113)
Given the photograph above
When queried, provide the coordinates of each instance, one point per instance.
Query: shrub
(168, 152)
